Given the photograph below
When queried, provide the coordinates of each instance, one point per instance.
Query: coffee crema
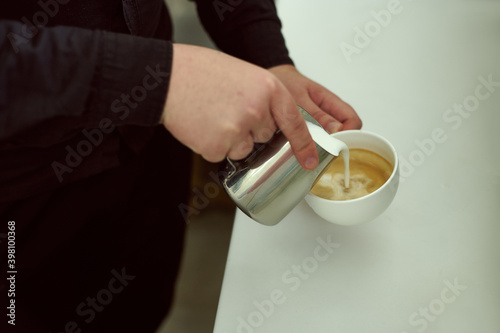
(368, 172)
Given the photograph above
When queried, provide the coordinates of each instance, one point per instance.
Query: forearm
(74, 78)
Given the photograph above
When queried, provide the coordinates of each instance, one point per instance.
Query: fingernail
(311, 163)
(333, 127)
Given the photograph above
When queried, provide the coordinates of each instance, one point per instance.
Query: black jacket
(82, 81)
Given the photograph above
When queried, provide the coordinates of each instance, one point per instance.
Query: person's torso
(25, 171)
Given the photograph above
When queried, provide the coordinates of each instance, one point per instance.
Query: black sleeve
(247, 29)
(56, 81)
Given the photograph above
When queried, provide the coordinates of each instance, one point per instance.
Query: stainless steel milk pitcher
(270, 182)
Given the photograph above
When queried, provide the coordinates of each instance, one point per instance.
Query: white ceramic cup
(368, 207)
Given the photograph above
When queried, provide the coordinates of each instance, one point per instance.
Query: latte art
(368, 172)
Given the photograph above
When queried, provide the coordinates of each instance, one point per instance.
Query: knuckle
(270, 82)
(212, 156)
(267, 133)
(291, 116)
(241, 150)
(297, 126)
(213, 150)
(230, 130)
(256, 114)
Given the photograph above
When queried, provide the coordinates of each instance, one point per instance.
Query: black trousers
(101, 254)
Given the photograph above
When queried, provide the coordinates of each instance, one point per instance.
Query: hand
(326, 107)
(219, 106)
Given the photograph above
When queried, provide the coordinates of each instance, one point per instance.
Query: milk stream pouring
(270, 182)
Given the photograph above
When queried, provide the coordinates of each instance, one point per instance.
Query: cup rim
(393, 174)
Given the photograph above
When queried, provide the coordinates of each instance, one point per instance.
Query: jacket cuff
(131, 80)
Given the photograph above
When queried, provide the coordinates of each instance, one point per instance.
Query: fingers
(293, 126)
(242, 149)
(262, 126)
(264, 134)
(258, 127)
(334, 110)
(239, 150)
(346, 114)
(237, 142)
(353, 123)
(214, 153)
(235, 138)
(328, 109)
(328, 122)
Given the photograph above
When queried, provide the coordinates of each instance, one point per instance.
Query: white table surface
(431, 262)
